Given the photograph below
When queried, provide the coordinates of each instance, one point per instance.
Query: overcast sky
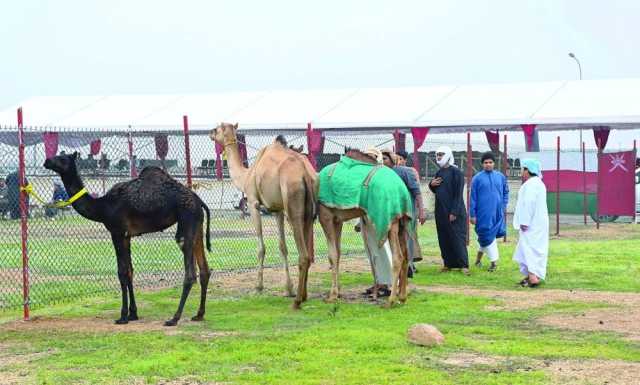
(144, 46)
(191, 46)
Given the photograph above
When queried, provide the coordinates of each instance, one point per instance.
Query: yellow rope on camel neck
(29, 190)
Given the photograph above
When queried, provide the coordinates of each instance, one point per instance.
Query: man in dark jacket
(407, 175)
(450, 212)
(13, 195)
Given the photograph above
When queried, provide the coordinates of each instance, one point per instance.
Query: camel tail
(310, 211)
(206, 210)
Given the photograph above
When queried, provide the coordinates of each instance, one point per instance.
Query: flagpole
(635, 156)
(584, 185)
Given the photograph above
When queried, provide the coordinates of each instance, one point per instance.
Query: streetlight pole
(571, 55)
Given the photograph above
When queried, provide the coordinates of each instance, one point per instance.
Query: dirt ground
(11, 355)
(583, 372)
(620, 316)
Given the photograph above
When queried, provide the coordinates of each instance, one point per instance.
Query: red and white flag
(617, 183)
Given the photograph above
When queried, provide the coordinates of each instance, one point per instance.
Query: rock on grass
(425, 335)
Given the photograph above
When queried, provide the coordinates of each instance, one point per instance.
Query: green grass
(592, 262)
(271, 344)
(260, 340)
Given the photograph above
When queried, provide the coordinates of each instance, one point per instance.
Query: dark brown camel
(152, 202)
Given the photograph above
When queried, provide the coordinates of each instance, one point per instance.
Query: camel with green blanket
(355, 187)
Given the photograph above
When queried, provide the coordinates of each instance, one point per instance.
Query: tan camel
(284, 182)
(332, 219)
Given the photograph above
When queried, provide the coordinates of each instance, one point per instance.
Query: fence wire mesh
(70, 256)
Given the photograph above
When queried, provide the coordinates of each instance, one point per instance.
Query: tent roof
(551, 105)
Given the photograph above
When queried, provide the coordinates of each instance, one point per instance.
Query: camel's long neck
(237, 170)
(86, 206)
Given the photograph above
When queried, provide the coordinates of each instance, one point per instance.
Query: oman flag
(617, 183)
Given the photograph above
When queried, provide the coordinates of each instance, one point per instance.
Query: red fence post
(23, 217)
(505, 164)
(187, 150)
(558, 186)
(469, 161)
(598, 188)
(585, 205)
(635, 156)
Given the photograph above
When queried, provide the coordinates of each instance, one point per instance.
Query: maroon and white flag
(617, 183)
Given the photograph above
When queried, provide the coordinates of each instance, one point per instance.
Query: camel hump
(152, 171)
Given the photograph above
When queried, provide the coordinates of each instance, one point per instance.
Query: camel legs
(332, 229)
(133, 309)
(257, 223)
(305, 263)
(394, 241)
(122, 246)
(205, 273)
(284, 252)
(404, 269)
(300, 231)
(188, 226)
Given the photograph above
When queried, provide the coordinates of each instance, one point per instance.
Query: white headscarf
(375, 153)
(447, 158)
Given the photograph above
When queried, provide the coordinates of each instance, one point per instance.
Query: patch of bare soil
(468, 359)
(592, 372)
(98, 325)
(530, 298)
(585, 372)
(619, 319)
(8, 359)
(623, 321)
(243, 283)
(274, 278)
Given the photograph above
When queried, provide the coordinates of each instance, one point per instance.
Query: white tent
(564, 105)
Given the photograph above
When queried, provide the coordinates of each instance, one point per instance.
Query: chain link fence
(70, 256)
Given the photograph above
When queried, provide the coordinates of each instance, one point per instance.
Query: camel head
(62, 164)
(297, 149)
(224, 133)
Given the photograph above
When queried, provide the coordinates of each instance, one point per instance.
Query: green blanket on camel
(376, 189)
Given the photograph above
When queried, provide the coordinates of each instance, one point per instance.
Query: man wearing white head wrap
(450, 212)
(376, 153)
(446, 159)
(532, 220)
